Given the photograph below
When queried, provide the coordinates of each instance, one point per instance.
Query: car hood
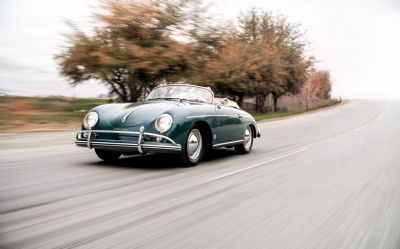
(134, 115)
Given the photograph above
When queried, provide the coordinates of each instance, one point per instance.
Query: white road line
(360, 128)
(257, 165)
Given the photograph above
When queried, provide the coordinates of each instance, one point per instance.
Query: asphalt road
(329, 179)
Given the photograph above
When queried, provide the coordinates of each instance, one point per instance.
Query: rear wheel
(107, 155)
(247, 144)
(194, 149)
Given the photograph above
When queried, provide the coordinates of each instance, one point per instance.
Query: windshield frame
(186, 85)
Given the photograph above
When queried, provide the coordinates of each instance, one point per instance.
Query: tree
(316, 88)
(225, 72)
(294, 65)
(133, 48)
(140, 44)
(264, 55)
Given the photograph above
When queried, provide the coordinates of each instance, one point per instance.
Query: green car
(177, 118)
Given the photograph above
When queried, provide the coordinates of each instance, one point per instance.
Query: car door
(229, 125)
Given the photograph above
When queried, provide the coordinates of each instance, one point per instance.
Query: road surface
(329, 179)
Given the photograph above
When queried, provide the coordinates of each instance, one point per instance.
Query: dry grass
(282, 114)
(31, 114)
(23, 114)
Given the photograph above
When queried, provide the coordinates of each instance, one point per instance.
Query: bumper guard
(85, 139)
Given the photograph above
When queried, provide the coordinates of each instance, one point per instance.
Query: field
(22, 114)
(27, 113)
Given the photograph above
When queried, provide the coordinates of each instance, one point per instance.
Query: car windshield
(181, 92)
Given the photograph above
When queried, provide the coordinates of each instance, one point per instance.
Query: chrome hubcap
(247, 138)
(194, 144)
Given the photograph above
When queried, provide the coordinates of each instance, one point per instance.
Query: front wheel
(247, 144)
(194, 149)
(107, 155)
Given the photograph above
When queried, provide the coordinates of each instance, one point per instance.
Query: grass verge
(24, 114)
(283, 114)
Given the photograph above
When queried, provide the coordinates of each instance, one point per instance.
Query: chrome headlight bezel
(163, 123)
(90, 120)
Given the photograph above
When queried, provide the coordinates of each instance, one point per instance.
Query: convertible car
(176, 118)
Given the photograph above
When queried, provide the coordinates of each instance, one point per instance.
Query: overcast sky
(358, 41)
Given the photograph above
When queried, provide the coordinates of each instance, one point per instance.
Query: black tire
(107, 155)
(245, 147)
(192, 156)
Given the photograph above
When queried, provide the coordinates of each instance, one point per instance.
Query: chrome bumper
(86, 138)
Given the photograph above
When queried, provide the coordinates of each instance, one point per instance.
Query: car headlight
(90, 120)
(163, 123)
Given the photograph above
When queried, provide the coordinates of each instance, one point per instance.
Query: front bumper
(133, 141)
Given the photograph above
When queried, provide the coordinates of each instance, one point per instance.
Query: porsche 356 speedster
(176, 118)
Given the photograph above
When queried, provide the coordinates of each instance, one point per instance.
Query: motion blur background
(327, 179)
(357, 41)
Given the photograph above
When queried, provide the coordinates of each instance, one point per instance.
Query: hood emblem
(123, 120)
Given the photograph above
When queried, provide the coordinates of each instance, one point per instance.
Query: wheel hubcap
(247, 138)
(194, 144)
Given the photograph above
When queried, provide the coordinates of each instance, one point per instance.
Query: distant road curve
(328, 179)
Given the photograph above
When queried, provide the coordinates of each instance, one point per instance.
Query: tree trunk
(134, 92)
(275, 98)
(240, 100)
(260, 101)
(122, 97)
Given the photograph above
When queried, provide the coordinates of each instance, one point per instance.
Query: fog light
(159, 139)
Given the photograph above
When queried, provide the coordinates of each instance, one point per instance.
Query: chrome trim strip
(129, 145)
(108, 144)
(156, 146)
(130, 133)
(128, 114)
(161, 136)
(140, 146)
(88, 139)
(140, 140)
(213, 115)
(228, 143)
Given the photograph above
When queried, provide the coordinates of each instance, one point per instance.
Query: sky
(358, 41)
